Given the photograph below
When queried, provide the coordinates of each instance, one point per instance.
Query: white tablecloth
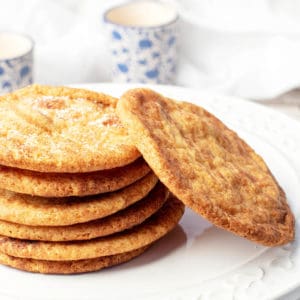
(243, 48)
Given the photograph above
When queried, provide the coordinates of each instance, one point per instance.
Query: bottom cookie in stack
(68, 267)
(90, 255)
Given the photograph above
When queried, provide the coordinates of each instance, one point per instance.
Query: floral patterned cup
(143, 40)
(16, 61)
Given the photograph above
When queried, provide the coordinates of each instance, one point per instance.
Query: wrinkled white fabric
(244, 48)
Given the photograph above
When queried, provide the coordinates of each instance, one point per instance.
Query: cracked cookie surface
(61, 129)
(208, 166)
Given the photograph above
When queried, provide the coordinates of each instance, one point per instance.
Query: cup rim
(24, 35)
(106, 20)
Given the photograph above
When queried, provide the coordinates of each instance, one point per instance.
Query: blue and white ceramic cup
(16, 61)
(143, 39)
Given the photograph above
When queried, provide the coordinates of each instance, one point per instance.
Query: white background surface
(247, 48)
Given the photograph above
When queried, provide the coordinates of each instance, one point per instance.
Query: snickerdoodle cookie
(71, 184)
(61, 129)
(122, 220)
(207, 166)
(68, 267)
(39, 211)
(158, 225)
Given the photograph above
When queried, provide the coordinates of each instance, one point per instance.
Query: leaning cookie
(208, 166)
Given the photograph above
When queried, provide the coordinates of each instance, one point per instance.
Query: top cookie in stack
(72, 181)
(59, 129)
(49, 132)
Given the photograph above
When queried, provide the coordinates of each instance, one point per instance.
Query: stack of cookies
(76, 196)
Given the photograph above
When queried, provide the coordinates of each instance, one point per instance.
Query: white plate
(197, 260)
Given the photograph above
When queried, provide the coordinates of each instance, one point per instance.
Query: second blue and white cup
(143, 41)
(16, 61)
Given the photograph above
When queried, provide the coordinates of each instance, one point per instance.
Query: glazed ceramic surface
(16, 64)
(145, 54)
